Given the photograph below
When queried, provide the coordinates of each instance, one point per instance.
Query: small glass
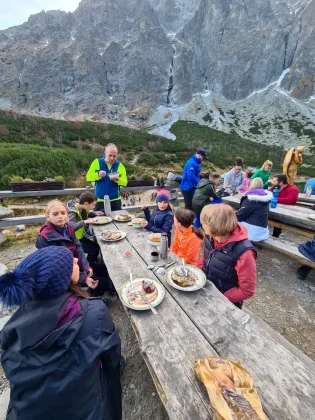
(128, 251)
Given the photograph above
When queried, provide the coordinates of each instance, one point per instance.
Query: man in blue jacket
(191, 176)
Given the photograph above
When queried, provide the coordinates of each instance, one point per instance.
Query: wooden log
(285, 383)
(285, 248)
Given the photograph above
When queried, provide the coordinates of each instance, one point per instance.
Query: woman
(228, 259)
(234, 179)
(60, 350)
(187, 239)
(254, 211)
(263, 173)
(161, 220)
(57, 232)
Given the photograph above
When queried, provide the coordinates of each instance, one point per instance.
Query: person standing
(263, 173)
(60, 350)
(191, 176)
(105, 184)
(234, 179)
(310, 183)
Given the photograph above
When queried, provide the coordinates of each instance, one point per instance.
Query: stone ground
(282, 301)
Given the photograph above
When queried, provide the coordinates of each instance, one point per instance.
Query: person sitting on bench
(288, 194)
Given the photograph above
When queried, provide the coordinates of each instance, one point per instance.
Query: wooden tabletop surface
(194, 325)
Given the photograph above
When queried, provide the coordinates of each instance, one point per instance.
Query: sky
(16, 12)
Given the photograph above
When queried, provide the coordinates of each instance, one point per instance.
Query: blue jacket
(308, 249)
(191, 174)
(160, 221)
(310, 183)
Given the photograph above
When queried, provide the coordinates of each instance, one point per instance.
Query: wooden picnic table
(292, 218)
(194, 325)
(310, 199)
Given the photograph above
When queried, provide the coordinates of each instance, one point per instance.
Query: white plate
(201, 278)
(144, 307)
(152, 242)
(102, 220)
(311, 216)
(123, 235)
(123, 221)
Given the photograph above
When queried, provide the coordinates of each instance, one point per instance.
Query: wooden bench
(198, 324)
(286, 248)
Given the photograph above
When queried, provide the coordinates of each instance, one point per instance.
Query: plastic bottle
(107, 208)
(274, 200)
(308, 192)
(163, 246)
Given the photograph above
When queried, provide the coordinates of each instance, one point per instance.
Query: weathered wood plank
(23, 220)
(169, 342)
(285, 383)
(285, 248)
(289, 228)
(291, 215)
(310, 199)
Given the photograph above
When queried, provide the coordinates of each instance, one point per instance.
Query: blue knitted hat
(44, 274)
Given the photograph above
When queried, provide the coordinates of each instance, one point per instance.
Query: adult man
(288, 194)
(105, 184)
(191, 176)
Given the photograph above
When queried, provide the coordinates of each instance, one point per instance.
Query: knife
(148, 303)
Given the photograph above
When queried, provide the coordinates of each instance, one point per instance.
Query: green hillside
(36, 148)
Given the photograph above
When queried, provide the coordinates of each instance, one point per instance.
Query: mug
(154, 256)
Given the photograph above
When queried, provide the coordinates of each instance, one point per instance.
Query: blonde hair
(53, 203)
(268, 162)
(255, 183)
(220, 219)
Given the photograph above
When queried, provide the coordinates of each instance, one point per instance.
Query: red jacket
(288, 195)
(245, 268)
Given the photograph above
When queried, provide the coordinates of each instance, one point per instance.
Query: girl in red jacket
(229, 257)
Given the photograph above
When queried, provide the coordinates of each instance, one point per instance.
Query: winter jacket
(254, 212)
(235, 279)
(235, 179)
(186, 245)
(308, 249)
(160, 221)
(191, 174)
(310, 183)
(104, 186)
(264, 175)
(50, 235)
(76, 218)
(288, 195)
(255, 207)
(62, 370)
(202, 195)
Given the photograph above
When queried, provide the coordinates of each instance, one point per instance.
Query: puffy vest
(80, 232)
(105, 186)
(219, 263)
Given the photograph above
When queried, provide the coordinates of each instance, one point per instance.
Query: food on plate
(146, 287)
(137, 221)
(155, 238)
(183, 277)
(102, 220)
(111, 236)
(123, 217)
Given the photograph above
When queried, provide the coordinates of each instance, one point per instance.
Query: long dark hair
(186, 217)
(76, 290)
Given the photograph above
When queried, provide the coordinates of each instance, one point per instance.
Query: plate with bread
(154, 239)
(112, 235)
(123, 217)
(188, 279)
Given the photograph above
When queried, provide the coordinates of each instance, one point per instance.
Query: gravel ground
(282, 301)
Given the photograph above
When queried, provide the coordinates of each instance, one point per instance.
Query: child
(229, 257)
(248, 175)
(57, 232)
(205, 193)
(187, 239)
(58, 340)
(161, 219)
(80, 217)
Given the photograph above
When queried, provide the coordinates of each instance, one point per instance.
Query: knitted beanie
(163, 195)
(44, 274)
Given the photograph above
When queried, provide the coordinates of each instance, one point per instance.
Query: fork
(132, 289)
(185, 271)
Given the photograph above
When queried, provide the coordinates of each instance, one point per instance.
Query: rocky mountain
(232, 64)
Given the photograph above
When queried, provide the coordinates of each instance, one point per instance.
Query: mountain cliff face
(122, 59)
